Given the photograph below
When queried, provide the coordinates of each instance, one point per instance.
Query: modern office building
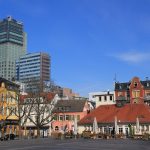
(33, 67)
(12, 46)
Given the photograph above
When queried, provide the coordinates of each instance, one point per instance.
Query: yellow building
(8, 107)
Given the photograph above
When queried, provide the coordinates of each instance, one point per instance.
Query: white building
(102, 98)
(39, 112)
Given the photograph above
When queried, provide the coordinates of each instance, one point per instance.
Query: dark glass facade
(11, 31)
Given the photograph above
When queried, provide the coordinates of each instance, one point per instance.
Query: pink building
(65, 112)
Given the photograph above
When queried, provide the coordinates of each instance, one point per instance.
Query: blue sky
(89, 40)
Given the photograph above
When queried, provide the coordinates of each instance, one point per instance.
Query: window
(120, 130)
(100, 99)
(72, 117)
(78, 117)
(135, 84)
(61, 117)
(55, 117)
(111, 98)
(136, 94)
(120, 87)
(147, 94)
(105, 98)
(60, 108)
(67, 117)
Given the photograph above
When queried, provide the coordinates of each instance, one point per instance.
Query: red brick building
(134, 91)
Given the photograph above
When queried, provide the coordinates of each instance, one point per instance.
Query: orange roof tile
(48, 96)
(125, 114)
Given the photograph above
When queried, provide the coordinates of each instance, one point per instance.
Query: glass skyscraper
(12, 46)
(33, 67)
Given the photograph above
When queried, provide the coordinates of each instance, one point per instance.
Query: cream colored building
(8, 106)
(102, 98)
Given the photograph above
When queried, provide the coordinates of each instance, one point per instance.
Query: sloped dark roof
(69, 106)
(9, 84)
(125, 114)
(122, 86)
(125, 86)
(146, 84)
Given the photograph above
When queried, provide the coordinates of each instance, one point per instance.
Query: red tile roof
(48, 96)
(125, 114)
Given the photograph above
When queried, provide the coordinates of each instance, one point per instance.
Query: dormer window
(147, 84)
(120, 87)
(135, 84)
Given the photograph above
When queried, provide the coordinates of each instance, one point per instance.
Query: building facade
(128, 120)
(8, 105)
(65, 112)
(130, 116)
(134, 91)
(12, 46)
(33, 66)
(67, 92)
(33, 120)
(102, 98)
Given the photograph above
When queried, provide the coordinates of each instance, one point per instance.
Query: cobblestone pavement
(75, 144)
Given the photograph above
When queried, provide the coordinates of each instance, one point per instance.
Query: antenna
(115, 78)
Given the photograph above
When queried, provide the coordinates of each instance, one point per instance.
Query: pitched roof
(126, 114)
(125, 85)
(146, 84)
(9, 84)
(122, 86)
(48, 96)
(69, 106)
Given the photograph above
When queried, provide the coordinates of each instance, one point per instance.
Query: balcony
(147, 98)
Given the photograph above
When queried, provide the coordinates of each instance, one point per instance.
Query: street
(74, 144)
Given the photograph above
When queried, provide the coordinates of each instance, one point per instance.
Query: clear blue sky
(89, 40)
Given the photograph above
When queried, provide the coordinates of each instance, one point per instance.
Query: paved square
(72, 144)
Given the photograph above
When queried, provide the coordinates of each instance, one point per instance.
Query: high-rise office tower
(33, 67)
(12, 46)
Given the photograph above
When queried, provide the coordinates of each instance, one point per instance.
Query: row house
(8, 104)
(66, 110)
(38, 113)
(134, 91)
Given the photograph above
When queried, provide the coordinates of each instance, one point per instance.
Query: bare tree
(40, 104)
